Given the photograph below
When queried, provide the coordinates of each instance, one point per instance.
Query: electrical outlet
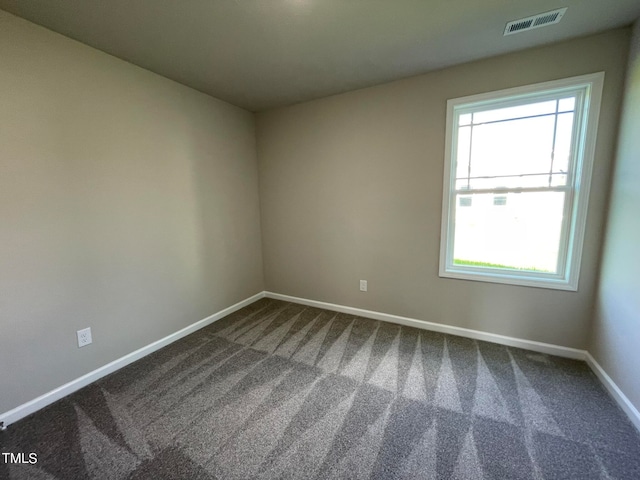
(363, 285)
(84, 337)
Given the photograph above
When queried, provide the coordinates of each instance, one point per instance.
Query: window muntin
(516, 183)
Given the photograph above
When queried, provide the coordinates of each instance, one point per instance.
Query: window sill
(519, 279)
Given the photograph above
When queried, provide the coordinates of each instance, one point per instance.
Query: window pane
(465, 119)
(519, 232)
(538, 108)
(567, 104)
(515, 148)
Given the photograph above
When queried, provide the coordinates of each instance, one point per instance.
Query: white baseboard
(548, 348)
(613, 389)
(48, 398)
(439, 327)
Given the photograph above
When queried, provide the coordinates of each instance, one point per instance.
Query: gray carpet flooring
(282, 391)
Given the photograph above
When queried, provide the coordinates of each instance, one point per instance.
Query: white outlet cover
(84, 337)
(363, 285)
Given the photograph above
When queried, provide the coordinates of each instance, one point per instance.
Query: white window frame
(578, 183)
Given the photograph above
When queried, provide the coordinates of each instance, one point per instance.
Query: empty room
(319, 239)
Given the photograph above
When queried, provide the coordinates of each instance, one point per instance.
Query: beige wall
(128, 203)
(615, 336)
(351, 188)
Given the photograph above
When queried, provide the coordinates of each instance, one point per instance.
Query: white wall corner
(621, 399)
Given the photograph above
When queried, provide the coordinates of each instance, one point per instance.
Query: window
(516, 183)
(465, 201)
(500, 200)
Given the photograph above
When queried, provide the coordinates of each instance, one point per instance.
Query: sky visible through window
(512, 169)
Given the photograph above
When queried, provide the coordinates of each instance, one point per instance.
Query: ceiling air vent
(536, 21)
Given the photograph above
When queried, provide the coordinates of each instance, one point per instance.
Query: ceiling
(260, 54)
